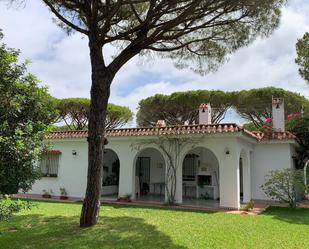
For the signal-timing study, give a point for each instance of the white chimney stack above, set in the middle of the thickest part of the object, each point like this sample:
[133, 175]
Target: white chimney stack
[278, 114]
[204, 116]
[161, 123]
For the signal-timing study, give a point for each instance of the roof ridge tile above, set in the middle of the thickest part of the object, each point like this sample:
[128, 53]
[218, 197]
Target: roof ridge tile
[176, 129]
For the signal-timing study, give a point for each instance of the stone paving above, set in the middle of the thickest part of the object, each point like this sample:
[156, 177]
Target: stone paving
[258, 207]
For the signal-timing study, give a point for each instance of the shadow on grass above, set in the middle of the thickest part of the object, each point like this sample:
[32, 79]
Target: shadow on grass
[140, 206]
[165, 207]
[37, 231]
[289, 215]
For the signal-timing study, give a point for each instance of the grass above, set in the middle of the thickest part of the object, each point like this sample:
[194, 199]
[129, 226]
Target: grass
[55, 225]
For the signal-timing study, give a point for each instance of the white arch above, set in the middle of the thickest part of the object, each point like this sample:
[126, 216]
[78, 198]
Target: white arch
[114, 149]
[110, 190]
[217, 165]
[190, 147]
[137, 154]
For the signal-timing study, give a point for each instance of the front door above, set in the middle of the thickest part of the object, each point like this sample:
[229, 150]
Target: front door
[143, 172]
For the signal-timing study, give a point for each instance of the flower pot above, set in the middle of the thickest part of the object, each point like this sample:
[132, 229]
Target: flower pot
[63, 197]
[46, 196]
[124, 199]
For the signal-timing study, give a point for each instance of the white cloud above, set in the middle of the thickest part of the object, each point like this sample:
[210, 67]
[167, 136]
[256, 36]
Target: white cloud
[28, 29]
[62, 62]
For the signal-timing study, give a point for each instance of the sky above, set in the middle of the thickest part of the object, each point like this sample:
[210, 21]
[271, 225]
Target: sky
[62, 62]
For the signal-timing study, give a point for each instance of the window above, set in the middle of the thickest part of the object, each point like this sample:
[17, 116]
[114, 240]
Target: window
[49, 164]
[189, 167]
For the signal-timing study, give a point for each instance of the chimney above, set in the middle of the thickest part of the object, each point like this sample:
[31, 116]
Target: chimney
[161, 123]
[278, 114]
[204, 116]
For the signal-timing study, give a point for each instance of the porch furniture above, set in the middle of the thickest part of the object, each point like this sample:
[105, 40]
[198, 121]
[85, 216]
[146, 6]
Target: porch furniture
[188, 187]
[161, 186]
[211, 190]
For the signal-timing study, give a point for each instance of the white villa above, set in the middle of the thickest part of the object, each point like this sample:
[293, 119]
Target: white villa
[223, 162]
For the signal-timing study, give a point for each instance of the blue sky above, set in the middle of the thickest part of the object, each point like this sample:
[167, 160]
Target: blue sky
[62, 62]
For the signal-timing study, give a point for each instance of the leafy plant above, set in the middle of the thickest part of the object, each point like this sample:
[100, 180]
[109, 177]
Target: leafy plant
[205, 196]
[63, 192]
[46, 192]
[300, 127]
[8, 207]
[26, 112]
[110, 180]
[285, 185]
[303, 56]
[248, 206]
[125, 197]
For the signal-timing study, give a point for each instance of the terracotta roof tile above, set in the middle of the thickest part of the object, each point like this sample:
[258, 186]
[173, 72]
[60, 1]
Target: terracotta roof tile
[51, 152]
[274, 135]
[186, 129]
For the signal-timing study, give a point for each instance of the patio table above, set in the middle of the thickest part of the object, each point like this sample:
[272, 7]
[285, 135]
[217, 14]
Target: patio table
[161, 186]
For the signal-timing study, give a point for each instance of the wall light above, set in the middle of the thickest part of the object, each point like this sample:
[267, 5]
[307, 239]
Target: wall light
[227, 151]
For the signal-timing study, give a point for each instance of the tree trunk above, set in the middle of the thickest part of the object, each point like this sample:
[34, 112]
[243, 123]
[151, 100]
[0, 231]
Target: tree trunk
[100, 91]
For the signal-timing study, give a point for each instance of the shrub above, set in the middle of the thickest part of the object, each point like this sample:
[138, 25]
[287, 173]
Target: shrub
[8, 207]
[285, 185]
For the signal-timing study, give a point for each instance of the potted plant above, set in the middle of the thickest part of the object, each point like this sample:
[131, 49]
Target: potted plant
[46, 194]
[307, 193]
[125, 198]
[63, 194]
[248, 206]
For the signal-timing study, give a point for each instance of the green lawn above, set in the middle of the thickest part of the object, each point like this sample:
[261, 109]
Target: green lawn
[55, 225]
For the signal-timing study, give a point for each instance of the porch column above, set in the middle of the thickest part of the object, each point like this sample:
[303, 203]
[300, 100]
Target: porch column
[126, 176]
[178, 193]
[229, 181]
[246, 180]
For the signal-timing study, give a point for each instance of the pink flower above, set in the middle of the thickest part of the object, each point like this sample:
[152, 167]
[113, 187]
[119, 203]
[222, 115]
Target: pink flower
[269, 120]
[293, 115]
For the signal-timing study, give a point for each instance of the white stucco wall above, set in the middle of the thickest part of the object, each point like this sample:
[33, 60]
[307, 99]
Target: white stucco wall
[126, 154]
[72, 171]
[263, 157]
[267, 157]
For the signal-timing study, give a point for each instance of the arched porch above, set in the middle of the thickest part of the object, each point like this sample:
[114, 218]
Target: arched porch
[111, 168]
[149, 176]
[200, 178]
